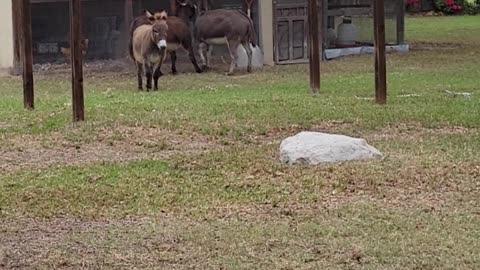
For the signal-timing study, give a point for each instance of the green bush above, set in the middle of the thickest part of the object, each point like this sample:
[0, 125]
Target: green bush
[472, 8]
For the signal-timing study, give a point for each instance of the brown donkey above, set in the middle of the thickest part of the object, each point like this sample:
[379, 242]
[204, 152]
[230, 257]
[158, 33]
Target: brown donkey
[220, 27]
[149, 49]
[179, 34]
[67, 52]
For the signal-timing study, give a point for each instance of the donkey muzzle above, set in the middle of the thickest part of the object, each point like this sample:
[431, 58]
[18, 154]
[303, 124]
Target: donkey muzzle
[162, 44]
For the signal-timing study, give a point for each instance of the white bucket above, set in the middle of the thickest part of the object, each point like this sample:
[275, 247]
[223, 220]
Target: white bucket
[257, 57]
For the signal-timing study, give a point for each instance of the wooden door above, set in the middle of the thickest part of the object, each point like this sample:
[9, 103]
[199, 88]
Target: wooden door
[291, 32]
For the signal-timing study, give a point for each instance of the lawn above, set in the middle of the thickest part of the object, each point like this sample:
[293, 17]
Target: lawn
[189, 177]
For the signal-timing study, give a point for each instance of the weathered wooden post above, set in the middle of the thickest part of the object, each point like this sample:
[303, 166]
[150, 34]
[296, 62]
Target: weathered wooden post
[128, 13]
[17, 37]
[314, 46]
[77, 60]
[380, 61]
[400, 21]
[26, 53]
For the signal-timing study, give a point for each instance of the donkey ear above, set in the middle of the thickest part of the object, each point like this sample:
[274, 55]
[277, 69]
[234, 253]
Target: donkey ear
[161, 15]
[164, 14]
[148, 14]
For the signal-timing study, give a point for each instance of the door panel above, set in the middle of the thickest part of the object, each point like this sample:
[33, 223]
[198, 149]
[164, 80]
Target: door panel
[291, 32]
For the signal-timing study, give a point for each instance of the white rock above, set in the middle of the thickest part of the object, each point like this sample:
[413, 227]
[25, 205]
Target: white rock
[312, 148]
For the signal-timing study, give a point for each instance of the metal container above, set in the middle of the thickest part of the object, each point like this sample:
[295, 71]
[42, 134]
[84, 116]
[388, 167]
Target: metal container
[347, 33]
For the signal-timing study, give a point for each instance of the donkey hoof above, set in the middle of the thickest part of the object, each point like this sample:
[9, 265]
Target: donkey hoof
[199, 70]
[229, 74]
[204, 68]
[249, 70]
[174, 72]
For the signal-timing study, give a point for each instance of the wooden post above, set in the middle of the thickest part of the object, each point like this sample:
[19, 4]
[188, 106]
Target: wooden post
[17, 37]
[314, 40]
[77, 60]
[26, 53]
[400, 22]
[324, 26]
[380, 61]
[128, 14]
[310, 47]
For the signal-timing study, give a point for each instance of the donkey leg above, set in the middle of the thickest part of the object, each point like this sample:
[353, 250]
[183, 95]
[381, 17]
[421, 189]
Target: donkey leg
[232, 48]
[201, 49]
[191, 55]
[249, 51]
[140, 75]
[148, 74]
[173, 58]
[157, 73]
[209, 54]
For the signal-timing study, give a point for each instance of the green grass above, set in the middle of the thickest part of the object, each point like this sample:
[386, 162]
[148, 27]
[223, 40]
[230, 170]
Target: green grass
[189, 177]
[455, 29]
[273, 105]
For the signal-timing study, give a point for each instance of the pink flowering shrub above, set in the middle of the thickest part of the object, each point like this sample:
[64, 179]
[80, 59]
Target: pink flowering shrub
[449, 6]
[412, 4]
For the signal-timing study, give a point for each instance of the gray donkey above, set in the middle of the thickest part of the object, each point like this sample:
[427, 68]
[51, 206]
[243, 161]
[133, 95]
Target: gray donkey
[220, 27]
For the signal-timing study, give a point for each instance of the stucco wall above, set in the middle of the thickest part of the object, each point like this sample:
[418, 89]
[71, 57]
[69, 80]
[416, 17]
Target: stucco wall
[6, 35]
[266, 31]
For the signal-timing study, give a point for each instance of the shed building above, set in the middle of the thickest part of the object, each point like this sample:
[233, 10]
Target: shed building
[346, 27]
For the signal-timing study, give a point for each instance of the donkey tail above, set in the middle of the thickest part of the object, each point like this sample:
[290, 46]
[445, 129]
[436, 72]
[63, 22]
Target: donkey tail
[130, 40]
[130, 49]
[252, 36]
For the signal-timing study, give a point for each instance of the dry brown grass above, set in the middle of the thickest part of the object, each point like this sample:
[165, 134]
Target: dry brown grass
[120, 144]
